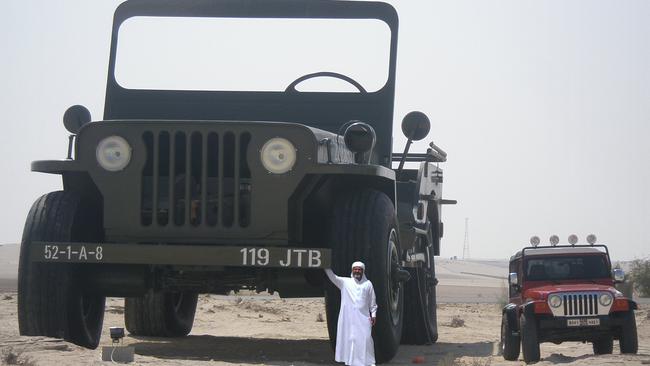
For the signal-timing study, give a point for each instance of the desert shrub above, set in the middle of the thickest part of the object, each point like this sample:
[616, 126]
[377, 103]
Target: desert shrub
[640, 274]
[504, 297]
[9, 357]
[457, 322]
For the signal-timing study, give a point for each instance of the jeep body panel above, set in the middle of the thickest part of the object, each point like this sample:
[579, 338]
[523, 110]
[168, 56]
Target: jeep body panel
[542, 292]
[420, 203]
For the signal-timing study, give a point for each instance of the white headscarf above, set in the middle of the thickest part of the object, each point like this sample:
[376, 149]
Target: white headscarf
[363, 266]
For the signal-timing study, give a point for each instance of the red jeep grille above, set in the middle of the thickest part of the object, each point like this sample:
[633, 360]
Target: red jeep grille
[196, 179]
[580, 304]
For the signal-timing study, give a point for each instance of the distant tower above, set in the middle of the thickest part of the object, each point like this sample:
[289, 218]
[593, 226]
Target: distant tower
[466, 243]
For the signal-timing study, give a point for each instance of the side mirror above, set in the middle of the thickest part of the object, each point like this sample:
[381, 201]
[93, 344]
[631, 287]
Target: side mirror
[75, 117]
[619, 275]
[416, 126]
[513, 279]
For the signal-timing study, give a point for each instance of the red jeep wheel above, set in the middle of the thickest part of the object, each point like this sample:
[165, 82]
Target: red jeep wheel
[603, 346]
[510, 346]
[628, 340]
[529, 341]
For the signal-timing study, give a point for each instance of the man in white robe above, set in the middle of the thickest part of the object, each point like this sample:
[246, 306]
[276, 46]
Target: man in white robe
[358, 313]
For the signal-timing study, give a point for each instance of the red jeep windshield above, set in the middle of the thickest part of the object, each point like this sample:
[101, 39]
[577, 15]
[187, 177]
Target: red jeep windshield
[582, 267]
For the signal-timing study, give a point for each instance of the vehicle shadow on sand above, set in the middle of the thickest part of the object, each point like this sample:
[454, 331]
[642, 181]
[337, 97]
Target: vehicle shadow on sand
[558, 358]
[284, 351]
[236, 349]
[442, 352]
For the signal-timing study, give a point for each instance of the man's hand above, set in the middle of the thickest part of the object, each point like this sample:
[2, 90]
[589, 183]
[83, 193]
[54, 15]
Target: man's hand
[373, 321]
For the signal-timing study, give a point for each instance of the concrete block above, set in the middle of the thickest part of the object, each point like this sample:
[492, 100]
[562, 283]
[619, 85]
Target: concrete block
[121, 354]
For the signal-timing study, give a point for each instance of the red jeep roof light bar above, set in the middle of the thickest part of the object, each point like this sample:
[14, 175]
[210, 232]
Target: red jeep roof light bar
[521, 254]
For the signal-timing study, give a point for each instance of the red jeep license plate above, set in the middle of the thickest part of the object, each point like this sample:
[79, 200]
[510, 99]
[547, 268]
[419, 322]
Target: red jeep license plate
[583, 322]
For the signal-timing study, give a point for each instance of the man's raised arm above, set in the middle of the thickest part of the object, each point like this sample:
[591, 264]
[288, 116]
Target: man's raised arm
[336, 280]
[373, 305]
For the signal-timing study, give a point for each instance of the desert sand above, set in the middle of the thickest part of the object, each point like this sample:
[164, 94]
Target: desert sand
[248, 329]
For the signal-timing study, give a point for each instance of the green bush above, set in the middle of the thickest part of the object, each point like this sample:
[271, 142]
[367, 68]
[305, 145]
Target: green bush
[640, 274]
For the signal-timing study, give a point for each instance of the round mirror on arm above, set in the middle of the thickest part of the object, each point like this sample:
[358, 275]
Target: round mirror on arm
[75, 117]
[416, 126]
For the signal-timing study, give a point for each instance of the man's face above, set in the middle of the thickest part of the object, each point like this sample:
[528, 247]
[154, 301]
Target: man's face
[357, 272]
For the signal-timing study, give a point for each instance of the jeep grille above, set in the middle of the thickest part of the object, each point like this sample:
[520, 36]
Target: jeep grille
[196, 179]
[580, 304]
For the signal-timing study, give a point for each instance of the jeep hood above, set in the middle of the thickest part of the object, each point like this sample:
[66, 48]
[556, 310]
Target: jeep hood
[542, 292]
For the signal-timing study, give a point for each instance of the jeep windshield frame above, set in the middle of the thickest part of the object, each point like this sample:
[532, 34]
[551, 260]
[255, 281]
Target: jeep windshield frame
[563, 267]
[562, 251]
[324, 110]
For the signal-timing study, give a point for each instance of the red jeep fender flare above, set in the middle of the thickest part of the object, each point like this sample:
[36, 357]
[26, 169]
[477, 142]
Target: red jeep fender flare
[512, 316]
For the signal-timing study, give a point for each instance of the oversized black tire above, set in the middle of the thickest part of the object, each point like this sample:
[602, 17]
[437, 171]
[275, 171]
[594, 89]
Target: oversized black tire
[529, 339]
[51, 297]
[510, 343]
[364, 228]
[420, 313]
[628, 340]
[603, 346]
[160, 314]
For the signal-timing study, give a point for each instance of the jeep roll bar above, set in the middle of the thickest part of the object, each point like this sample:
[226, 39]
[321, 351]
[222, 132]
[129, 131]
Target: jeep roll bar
[523, 251]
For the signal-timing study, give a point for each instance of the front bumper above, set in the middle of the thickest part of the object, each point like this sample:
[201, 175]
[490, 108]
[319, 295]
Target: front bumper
[556, 329]
[606, 322]
[180, 254]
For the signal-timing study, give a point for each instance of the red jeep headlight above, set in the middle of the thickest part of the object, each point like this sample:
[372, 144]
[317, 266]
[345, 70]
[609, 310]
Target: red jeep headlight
[605, 299]
[555, 301]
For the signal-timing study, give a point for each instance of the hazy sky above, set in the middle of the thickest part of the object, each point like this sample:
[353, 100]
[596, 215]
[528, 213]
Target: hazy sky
[542, 106]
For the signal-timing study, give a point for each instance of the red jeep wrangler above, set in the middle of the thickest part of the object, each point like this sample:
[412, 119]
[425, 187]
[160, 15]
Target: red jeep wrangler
[564, 293]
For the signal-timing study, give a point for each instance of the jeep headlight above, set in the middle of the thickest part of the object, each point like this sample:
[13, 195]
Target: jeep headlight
[278, 155]
[555, 301]
[605, 299]
[113, 153]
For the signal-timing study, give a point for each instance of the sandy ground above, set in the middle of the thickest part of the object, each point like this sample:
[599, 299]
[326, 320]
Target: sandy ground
[257, 330]
[8, 266]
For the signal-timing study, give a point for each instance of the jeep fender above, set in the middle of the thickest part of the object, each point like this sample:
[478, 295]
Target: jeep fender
[633, 305]
[510, 312]
[529, 309]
